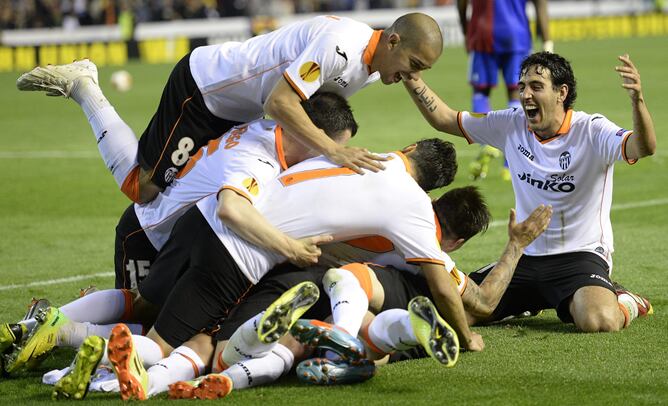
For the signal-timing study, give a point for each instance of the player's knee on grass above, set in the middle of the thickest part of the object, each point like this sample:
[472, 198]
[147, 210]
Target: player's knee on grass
[595, 309]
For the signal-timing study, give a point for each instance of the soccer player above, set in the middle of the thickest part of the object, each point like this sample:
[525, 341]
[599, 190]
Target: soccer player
[498, 38]
[219, 86]
[239, 164]
[565, 158]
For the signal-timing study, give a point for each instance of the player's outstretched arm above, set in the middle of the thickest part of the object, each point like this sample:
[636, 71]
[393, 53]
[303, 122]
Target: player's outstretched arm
[480, 301]
[449, 305]
[434, 110]
[243, 218]
[283, 104]
[643, 141]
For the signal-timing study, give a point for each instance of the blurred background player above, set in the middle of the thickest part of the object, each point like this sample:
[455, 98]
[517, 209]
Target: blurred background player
[498, 37]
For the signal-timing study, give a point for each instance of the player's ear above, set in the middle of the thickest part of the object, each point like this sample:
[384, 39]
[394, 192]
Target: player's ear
[394, 40]
[563, 93]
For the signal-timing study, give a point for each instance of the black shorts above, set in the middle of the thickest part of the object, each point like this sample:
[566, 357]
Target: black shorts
[206, 292]
[179, 128]
[549, 282]
[400, 286]
[270, 288]
[134, 253]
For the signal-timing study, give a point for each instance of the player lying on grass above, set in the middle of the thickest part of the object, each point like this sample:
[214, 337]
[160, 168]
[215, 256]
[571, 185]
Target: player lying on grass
[462, 210]
[565, 159]
[216, 87]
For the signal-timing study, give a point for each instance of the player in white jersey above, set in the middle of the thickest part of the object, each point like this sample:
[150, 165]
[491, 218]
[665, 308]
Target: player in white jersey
[218, 86]
[564, 158]
[243, 160]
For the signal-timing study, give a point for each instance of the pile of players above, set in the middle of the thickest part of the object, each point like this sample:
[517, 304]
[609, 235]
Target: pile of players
[239, 221]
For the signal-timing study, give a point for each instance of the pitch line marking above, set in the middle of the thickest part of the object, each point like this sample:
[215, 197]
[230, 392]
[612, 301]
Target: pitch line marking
[56, 281]
[497, 223]
[615, 207]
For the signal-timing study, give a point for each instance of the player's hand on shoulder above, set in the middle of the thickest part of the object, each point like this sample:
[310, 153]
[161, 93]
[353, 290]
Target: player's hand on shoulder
[630, 77]
[357, 159]
[475, 343]
[305, 252]
[525, 232]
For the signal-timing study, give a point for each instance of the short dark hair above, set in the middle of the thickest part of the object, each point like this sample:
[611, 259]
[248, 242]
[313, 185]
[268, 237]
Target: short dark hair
[435, 162]
[331, 113]
[560, 70]
[462, 212]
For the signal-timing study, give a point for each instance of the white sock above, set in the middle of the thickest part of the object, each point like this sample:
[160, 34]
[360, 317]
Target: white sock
[627, 302]
[348, 300]
[73, 333]
[116, 142]
[391, 331]
[245, 344]
[260, 371]
[182, 364]
[103, 307]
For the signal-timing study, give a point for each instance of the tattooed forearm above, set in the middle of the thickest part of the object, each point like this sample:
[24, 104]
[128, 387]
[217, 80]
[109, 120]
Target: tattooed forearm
[495, 284]
[427, 100]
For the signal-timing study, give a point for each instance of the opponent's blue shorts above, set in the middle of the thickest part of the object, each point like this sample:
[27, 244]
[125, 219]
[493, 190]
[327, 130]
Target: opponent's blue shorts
[483, 68]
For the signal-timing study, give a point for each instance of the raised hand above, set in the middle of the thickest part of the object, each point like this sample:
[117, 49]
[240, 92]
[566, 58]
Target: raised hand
[630, 77]
[525, 232]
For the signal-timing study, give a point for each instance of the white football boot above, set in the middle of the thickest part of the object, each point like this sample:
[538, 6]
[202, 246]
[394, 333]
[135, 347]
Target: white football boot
[57, 80]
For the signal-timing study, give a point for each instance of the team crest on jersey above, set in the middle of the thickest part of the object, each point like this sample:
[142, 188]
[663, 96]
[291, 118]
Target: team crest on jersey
[251, 185]
[565, 160]
[620, 132]
[309, 71]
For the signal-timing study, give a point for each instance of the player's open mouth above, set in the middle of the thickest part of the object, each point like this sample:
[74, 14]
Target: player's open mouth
[397, 77]
[531, 111]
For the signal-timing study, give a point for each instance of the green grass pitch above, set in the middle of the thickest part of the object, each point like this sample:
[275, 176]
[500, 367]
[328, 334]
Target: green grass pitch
[59, 207]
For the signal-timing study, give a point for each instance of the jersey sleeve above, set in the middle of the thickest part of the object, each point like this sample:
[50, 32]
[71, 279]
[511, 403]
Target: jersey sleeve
[319, 62]
[414, 235]
[609, 139]
[487, 129]
[247, 176]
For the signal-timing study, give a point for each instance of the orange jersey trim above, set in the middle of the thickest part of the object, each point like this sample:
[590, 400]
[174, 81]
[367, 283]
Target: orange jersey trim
[294, 87]
[130, 186]
[461, 128]
[425, 260]
[564, 129]
[439, 232]
[237, 191]
[298, 177]
[278, 133]
[374, 243]
[370, 50]
[361, 273]
[404, 158]
[626, 158]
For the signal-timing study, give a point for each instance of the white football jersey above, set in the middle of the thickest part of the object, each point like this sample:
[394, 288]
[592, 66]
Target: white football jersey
[380, 251]
[572, 171]
[317, 197]
[329, 53]
[245, 159]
